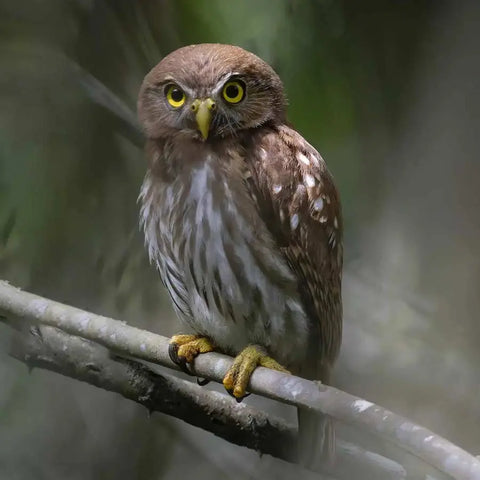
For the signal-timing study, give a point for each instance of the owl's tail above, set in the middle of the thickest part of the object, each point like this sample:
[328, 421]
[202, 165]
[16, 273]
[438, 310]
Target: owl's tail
[316, 434]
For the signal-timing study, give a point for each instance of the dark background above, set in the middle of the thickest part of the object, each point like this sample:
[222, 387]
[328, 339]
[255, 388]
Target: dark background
[388, 93]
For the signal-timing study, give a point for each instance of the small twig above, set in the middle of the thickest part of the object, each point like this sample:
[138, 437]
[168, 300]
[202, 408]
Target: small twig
[121, 113]
[432, 448]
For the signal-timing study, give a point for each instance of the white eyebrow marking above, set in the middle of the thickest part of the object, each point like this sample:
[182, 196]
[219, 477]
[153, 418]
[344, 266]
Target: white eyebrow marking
[302, 158]
[223, 80]
[188, 91]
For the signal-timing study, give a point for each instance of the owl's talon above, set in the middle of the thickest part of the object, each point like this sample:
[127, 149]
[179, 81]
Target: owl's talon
[237, 399]
[173, 353]
[240, 399]
[180, 361]
[183, 349]
[202, 381]
[186, 367]
[238, 375]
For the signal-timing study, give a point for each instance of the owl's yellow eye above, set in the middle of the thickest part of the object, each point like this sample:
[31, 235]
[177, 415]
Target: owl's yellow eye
[233, 92]
[175, 96]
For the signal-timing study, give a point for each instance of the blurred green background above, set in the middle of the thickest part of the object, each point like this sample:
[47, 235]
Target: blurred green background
[388, 93]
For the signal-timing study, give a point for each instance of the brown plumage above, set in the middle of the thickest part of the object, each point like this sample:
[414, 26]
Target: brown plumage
[241, 215]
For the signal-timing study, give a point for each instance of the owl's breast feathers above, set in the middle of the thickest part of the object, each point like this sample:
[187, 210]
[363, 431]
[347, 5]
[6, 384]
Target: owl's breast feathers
[225, 274]
[248, 240]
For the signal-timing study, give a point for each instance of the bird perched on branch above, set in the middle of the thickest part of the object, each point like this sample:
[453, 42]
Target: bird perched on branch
[241, 216]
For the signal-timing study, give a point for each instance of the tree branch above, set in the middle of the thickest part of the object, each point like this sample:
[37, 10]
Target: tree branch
[288, 389]
[52, 349]
[121, 113]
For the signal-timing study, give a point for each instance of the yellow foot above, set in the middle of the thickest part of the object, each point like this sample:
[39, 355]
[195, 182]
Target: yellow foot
[184, 348]
[237, 378]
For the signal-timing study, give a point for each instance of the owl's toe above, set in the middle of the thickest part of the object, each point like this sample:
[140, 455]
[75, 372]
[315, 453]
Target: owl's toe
[237, 378]
[184, 348]
[238, 399]
[180, 361]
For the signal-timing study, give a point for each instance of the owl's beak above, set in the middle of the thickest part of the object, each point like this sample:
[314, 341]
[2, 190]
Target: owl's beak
[203, 115]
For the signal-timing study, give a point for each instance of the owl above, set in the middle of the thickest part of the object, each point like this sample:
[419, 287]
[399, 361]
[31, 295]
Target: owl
[241, 217]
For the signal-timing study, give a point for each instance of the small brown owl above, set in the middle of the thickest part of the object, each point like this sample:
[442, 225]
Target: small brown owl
[241, 216]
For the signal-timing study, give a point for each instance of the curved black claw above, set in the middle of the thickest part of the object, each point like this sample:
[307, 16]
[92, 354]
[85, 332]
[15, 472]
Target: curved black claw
[180, 361]
[202, 381]
[238, 399]
[173, 352]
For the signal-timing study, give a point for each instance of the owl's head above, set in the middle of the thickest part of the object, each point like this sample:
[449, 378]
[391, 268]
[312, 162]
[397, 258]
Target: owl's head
[208, 91]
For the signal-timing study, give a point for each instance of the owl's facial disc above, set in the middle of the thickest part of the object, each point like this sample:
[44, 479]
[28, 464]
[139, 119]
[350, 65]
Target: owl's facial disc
[203, 115]
[177, 96]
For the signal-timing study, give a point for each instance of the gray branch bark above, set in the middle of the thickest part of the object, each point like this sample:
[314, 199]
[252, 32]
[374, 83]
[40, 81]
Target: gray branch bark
[126, 340]
[49, 348]
[52, 349]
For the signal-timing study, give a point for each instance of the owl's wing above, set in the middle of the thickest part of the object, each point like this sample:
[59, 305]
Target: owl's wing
[300, 205]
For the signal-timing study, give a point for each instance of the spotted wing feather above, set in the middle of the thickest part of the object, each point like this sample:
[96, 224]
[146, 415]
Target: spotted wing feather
[299, 203]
